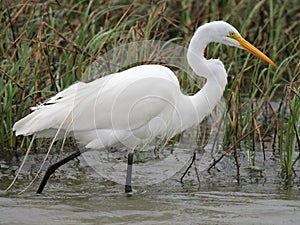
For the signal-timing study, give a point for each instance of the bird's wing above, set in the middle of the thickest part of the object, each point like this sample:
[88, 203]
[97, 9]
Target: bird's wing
[121, 101]
[127, 100]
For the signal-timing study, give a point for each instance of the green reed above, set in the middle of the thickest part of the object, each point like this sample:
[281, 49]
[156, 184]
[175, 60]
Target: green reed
[289, 140]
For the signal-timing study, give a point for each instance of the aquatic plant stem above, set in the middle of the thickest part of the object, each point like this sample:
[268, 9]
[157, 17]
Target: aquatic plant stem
[22, 164]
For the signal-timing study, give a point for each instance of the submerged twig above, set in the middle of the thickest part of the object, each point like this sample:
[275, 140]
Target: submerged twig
[22, 164]
[188, 168]
[230, 149]
[197, 173]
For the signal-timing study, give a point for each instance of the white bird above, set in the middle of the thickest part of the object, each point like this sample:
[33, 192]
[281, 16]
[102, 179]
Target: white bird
[133, 107]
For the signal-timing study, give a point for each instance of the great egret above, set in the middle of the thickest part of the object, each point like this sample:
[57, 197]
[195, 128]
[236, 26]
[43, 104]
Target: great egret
[135, 106]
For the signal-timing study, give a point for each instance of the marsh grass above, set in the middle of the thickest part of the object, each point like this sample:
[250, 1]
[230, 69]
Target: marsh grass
[46, 46]
[289, 128]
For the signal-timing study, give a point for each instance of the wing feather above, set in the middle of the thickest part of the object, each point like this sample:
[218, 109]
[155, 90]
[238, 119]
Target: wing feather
[123, 102]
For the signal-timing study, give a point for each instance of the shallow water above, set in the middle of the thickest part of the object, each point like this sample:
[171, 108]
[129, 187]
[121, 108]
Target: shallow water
[77, 195]
[205, 207]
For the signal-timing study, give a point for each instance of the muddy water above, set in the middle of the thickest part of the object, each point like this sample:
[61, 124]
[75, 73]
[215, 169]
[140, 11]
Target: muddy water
[76, 195]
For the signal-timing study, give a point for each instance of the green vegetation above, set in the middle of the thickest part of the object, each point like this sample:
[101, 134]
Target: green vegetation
[290, 130]
[46, 46]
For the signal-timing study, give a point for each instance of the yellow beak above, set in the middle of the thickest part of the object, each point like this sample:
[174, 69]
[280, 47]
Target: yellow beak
[249, 47]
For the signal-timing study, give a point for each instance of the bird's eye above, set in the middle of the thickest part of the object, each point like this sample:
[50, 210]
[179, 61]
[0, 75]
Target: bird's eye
[231, 34]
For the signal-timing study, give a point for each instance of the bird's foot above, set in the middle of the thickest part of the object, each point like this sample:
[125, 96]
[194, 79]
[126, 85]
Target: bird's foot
[128, 190]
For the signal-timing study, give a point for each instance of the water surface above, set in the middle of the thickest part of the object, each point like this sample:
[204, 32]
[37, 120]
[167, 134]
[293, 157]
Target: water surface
[77, 195]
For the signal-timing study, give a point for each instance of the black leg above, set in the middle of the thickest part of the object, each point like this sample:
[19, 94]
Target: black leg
[51, 169]
[128, 188]
[192, 161]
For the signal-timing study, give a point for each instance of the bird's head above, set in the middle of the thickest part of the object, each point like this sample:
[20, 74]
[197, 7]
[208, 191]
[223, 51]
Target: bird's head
[225, 33]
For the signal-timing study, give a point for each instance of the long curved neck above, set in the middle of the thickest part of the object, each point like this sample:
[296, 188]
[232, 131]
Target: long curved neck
[195, 53]
[213, 70]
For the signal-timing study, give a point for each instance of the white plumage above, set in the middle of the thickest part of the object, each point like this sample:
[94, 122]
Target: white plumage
[134, 106]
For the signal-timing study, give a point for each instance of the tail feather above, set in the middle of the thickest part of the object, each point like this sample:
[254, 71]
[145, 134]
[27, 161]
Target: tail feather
[47, 118]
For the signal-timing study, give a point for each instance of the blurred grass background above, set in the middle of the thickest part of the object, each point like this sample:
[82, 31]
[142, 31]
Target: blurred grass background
[46, 45]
